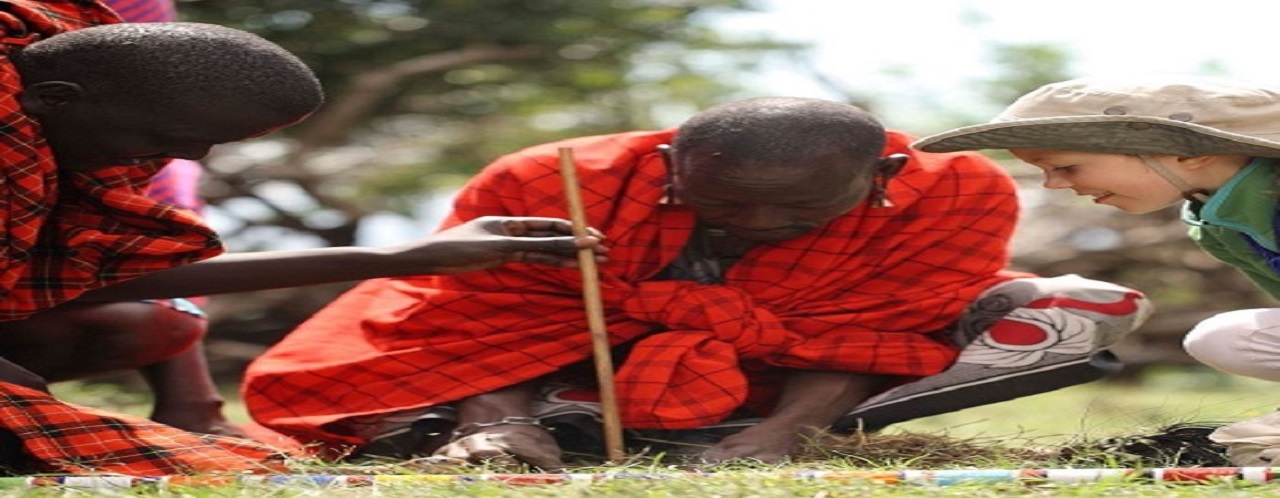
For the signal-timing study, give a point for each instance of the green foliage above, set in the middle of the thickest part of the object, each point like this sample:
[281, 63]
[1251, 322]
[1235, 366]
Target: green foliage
[558, 68]
[1021, 68]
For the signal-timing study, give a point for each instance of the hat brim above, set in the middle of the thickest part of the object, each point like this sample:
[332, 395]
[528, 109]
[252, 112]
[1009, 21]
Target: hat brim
[1107, 134]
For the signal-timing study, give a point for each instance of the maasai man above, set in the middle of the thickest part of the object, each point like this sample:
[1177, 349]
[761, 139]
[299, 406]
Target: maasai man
[166, 336]
[91, 110]
[786, 260]
[79, 149]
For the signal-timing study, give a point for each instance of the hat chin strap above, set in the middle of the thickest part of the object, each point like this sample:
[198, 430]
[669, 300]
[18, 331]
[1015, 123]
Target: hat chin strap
[1188, 193]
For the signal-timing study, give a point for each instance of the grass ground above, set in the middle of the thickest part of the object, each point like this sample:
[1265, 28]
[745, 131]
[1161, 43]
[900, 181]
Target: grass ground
[1100, 410]
[1051, 420]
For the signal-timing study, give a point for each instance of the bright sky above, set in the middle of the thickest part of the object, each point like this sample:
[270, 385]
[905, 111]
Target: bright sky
[917, 56]
[941, 44]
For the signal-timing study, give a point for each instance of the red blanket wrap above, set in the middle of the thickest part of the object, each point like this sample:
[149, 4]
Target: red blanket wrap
[65, 438]
[65, 233]
[865, 293]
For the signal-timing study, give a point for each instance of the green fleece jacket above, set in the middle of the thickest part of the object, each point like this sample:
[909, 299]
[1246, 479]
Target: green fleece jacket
[1246, 206]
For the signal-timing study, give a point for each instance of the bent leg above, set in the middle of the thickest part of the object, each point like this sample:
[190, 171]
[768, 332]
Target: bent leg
[1022, 337]
[1243, 342]
[80, 340]
[186, 396]
[161, 338]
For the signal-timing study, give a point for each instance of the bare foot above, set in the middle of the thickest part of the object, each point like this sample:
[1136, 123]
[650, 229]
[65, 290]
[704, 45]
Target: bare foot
[199, 420]
[506, 446]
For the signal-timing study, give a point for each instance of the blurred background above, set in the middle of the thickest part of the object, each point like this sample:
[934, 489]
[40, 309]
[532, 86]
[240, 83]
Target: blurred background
[424, 93]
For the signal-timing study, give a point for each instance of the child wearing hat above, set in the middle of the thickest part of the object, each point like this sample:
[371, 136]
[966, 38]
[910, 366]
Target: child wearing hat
[1143, 143]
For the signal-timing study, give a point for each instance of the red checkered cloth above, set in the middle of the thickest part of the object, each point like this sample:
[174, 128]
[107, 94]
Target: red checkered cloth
[66, 233]
[64, 438]
[70, 232]
[867, 292]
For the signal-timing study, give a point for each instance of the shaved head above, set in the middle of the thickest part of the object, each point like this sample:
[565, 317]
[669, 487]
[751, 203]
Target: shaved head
[771, 169]
[163, 65]
[120, 94]
[781, 132]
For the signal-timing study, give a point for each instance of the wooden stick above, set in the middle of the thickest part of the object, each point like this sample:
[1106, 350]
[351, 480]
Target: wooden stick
[595, 312]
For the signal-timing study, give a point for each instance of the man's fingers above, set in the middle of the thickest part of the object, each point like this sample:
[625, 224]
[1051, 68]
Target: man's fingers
[541, 227]
[593, 242]
[558, 245]
[562, 261]
[524, 226]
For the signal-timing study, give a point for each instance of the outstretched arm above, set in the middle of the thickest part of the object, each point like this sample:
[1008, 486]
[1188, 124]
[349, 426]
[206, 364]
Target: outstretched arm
[481, 243]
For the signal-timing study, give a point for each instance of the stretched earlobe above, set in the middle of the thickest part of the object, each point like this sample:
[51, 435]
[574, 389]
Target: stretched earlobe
[667, 152]
[891, 165]
[668, 159]
[887, 168]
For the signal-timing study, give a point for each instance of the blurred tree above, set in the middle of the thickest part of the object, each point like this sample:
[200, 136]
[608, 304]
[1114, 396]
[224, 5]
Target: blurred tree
[423, 93]
[1018, 68]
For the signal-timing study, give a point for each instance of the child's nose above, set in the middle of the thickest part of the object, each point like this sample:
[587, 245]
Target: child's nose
[1054, 181]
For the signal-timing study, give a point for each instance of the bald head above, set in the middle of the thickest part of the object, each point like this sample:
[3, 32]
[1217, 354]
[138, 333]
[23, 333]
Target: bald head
[772, 169]
[123, 94]
[781, 131]
[175, 64]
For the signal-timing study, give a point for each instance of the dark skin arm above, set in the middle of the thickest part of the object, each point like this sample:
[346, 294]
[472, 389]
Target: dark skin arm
[810, 402]
[481, 243]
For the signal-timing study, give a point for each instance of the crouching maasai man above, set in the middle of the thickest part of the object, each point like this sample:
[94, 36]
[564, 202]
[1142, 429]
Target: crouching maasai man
[781, 260]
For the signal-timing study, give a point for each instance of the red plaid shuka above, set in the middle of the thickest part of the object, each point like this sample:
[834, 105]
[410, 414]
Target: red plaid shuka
[864, 293]
[66, 233]
[64, 438]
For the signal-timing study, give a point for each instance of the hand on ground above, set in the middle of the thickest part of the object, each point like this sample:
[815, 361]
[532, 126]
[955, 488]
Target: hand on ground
[755, 444]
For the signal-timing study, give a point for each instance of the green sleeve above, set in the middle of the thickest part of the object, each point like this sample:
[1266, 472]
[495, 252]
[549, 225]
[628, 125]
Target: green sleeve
[1244, 259]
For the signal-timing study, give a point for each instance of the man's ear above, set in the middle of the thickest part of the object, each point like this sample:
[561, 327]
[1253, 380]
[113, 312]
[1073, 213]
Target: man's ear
[891, 165]
[49, 96]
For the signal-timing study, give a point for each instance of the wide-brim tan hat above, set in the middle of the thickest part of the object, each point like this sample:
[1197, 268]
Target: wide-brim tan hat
[1150, 114]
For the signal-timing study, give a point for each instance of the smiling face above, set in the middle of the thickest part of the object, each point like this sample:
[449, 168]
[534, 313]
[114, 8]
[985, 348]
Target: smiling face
[1121, 181]
[769, 202]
